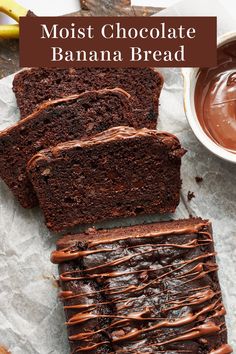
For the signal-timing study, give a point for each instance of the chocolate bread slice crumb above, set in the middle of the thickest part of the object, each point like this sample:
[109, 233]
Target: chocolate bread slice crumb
[143, 289]
[69, 118]
[118, 173]
[35, 86]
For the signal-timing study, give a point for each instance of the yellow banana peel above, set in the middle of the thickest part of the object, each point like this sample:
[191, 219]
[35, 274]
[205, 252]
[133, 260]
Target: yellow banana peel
[13, 9]
[9, 31]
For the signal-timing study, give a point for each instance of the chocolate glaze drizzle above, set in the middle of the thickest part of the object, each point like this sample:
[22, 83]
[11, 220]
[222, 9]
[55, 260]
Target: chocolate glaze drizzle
[107, 136]
[158, 292]
[224, 349]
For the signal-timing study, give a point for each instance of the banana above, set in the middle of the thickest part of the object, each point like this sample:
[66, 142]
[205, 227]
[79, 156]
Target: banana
[9, 31]
[13, 9]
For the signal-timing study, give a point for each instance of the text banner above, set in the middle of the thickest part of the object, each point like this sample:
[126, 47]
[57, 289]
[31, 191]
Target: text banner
[117, 41]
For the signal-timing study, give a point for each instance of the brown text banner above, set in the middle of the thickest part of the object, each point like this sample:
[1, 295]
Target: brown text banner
[117, 41]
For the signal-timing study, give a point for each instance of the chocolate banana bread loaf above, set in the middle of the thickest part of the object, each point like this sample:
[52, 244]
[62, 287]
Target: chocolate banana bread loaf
[34, 86]
[69, 118]
[118, 173]
[143, 289]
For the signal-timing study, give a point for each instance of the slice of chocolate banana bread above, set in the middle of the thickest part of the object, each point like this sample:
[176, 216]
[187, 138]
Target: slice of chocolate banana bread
[34, 86]
[57, 121]
[143, 289]
[118, 173]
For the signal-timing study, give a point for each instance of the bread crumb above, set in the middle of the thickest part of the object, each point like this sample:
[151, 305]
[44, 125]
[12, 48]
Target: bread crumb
[198, 179]
[190, 196]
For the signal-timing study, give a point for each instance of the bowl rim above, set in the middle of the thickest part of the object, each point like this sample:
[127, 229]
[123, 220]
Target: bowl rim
[191, 113]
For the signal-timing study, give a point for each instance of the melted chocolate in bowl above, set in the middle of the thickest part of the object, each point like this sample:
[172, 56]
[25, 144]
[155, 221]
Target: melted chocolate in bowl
[215, 98]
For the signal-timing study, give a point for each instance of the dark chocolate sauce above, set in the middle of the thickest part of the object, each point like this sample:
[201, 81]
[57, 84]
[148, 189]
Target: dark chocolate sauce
[215, 98]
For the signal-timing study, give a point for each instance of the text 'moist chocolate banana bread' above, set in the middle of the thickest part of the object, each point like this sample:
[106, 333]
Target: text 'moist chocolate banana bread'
[57, 121]
[34, 86]
[143, 289]
[118, 173]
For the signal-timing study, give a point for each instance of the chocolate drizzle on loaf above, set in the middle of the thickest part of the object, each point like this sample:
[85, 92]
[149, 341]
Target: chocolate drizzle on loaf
[108, 136]
[34, 86]
[57, 121]
[143, 289]
[118, 173]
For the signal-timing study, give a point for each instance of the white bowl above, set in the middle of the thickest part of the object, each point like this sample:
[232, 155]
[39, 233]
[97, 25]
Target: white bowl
[190, 79]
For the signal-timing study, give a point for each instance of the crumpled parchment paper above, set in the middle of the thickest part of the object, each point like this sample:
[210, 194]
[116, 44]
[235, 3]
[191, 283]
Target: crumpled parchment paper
[31, 316]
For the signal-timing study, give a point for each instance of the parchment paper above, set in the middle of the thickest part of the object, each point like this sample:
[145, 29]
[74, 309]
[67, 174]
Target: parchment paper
[31, 317]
